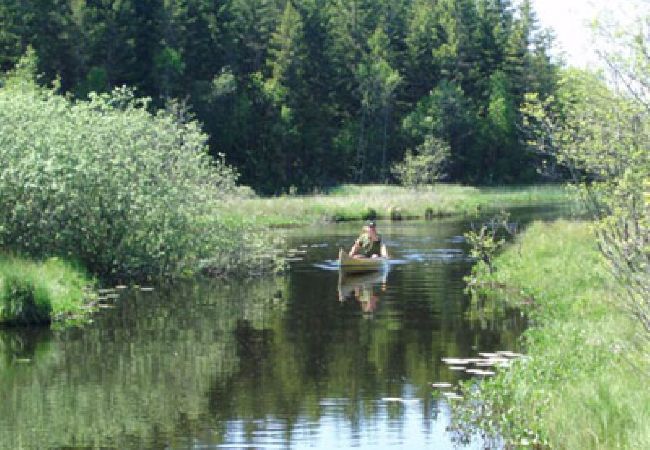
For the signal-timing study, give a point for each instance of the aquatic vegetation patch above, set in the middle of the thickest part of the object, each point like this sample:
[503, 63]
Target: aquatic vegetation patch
[38, 292]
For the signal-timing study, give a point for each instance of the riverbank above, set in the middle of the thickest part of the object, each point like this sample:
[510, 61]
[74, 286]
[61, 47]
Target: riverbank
[40, 292]
[584, 381]
[360, 202]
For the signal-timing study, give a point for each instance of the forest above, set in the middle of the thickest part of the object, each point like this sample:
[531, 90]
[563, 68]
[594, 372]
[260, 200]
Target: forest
[158, 155]
[303, 95]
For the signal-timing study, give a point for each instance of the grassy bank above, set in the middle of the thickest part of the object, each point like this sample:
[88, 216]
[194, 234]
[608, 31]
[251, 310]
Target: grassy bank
[584, 383]
[34, 292]
[354, 202]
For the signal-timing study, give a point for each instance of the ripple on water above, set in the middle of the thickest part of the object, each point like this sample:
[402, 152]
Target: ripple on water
[283, 361]
[435, 255]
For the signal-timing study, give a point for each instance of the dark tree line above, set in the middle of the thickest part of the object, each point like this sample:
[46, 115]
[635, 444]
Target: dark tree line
[309, 93]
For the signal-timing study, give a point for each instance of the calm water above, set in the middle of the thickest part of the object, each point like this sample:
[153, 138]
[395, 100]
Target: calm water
[305, 360]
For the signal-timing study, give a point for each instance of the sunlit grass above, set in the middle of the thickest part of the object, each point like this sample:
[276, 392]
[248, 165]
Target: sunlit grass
[585, 383]
[358, 202]
[55, 287]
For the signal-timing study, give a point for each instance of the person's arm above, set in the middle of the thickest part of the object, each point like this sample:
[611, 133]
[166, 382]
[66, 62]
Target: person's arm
[355, 248]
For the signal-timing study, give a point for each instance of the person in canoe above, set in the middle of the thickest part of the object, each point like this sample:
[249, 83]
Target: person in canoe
[368, 244]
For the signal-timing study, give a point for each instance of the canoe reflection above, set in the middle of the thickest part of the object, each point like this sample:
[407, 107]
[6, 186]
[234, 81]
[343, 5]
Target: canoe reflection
[364, 288]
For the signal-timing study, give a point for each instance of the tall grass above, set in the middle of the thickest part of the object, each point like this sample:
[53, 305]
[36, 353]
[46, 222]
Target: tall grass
[33, 292]
[584, 383]
[357, 202]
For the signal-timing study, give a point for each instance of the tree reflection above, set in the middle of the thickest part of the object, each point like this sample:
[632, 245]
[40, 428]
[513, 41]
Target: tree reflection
[235, 362]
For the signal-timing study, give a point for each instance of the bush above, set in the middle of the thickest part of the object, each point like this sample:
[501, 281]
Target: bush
[424, 166]
[108, 183]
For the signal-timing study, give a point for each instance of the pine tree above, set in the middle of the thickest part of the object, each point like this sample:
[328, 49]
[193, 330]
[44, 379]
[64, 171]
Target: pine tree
[12, 33]
[378, 82]
[109, 28]
[286, 56]
[286, 52]
[250, 25]
[423, 36]
[309, 91]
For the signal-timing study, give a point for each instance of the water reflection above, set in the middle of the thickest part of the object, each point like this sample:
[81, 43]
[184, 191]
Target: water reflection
[279, 362]
[365, 289]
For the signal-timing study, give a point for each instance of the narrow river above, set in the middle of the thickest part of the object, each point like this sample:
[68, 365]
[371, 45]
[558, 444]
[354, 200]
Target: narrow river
[303, 360]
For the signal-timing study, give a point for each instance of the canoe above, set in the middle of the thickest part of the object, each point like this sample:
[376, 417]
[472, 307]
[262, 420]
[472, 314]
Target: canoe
[348, 264]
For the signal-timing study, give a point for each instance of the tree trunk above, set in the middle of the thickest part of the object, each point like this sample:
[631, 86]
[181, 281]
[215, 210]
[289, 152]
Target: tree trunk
[361, 152]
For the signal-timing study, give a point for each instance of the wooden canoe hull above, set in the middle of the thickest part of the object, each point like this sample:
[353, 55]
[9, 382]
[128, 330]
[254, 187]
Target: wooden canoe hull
[348, 264]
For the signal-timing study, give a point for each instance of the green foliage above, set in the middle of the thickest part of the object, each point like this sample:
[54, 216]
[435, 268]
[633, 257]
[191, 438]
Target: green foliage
[602, 137]
[96, 81]
[224, 83]
[309, 93]
[21, 303]
[581, 384]
[377, 79]
[424, 36]
[499, 130]
[425, 166]
[352, 202]
[486, 242]
[24, 74]
[444, 114]
[36, 292]
[286, 49]
[123, 190]
[169, 65]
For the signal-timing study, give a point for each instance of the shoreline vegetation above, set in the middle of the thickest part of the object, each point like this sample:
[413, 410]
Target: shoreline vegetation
[583, 383]
[361, 202]
[60, 289]
[127, 193]
[130, 192]
[93, 181]
[41, 292]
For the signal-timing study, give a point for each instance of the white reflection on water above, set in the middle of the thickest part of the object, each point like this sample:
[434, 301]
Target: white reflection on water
[396, 425]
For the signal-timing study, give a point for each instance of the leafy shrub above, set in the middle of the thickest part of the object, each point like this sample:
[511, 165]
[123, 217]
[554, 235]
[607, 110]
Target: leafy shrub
[602, 137]
[486, 241]
[121, 189]
[424, 166]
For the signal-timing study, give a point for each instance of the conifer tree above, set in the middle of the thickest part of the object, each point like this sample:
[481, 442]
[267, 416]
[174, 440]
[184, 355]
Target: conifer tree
[378, 82]
[306, 93]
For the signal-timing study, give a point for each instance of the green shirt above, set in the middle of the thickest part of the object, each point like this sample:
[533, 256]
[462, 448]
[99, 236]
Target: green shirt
[368, 247]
